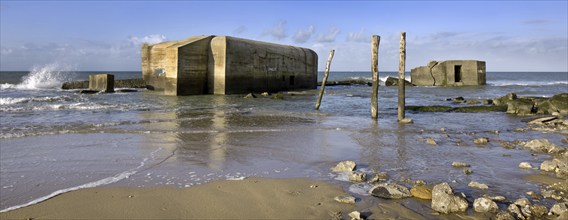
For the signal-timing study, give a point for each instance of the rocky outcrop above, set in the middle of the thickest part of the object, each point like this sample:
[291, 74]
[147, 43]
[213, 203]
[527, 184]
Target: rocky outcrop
[444, 200]
[391, 81]
[534, 105]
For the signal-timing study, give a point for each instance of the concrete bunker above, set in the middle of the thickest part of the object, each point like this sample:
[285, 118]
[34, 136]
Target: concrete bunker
[450, 73]
[227, 65]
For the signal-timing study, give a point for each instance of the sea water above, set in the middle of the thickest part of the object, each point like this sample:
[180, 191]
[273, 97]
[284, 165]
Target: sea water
[54, 141]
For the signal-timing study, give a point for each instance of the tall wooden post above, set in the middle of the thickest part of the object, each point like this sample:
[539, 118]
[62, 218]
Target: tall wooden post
[375, 72]
[322, 87]
[401, 82]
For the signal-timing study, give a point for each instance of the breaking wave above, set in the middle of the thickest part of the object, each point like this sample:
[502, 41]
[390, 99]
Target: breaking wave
[49, 76]
[526, 83]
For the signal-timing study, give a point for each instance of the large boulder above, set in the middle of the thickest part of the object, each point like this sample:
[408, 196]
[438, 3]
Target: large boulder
[559, 103]
[344, 166]
[390, 191]
[542, 146]
[521, 107]
[502, 101]
[444, 200]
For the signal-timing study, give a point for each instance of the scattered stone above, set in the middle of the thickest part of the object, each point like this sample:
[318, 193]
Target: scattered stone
[444, 200]
[485, 205]
[250, 96]
[390, 191]
[538, 211]
[533, 195]
[548, 165]
[525, 165]
[467, 171]
[355, 215]
[542, 146]
[265, 94]
[472, 102]
[460, 164]
[381, 176]
[357, 177]
[344, 166]
[514, 209]
[431, 141]
[458, 99]
[277, 96]
[559, 208]
[504, 215]
[540, 121]
[419, 182]
[477, 185]
[497, 198]
[421, 191]
[503, 100]
[345, 199]
[481, 141]
[522, 202]
[488, 101]
[406, 121]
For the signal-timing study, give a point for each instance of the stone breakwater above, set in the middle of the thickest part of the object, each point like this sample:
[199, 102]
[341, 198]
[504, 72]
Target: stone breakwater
[121, 83]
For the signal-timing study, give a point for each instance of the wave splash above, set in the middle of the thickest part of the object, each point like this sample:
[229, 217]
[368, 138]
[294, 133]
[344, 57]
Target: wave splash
[49, 76]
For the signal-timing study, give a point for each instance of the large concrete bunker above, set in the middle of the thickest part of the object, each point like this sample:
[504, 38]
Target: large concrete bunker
[450, 73]
[227, 65]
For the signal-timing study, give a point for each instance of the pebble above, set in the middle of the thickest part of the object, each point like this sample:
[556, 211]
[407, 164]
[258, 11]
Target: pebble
[525, 165]
[431, 141]
[477, 185]
[345, 199]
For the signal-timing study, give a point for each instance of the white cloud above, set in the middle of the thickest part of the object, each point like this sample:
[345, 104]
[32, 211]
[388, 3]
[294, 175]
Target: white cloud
[360, 36]
[304, 35]
[278, 31]
[150, 39]
[329, 36]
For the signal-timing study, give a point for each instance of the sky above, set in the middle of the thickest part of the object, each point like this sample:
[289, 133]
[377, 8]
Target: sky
[107, 35]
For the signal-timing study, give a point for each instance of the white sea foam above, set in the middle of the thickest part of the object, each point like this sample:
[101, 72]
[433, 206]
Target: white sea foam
[50, 76]
[11, 101]
[105, 181]
[526, 83]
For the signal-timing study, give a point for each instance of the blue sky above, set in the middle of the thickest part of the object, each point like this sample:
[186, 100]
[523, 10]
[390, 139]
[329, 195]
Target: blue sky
[107, 35]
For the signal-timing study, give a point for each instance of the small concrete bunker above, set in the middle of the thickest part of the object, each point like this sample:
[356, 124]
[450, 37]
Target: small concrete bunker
[450, 73]
[227, 65]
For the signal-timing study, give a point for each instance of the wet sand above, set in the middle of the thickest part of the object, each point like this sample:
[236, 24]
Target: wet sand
[253, 198]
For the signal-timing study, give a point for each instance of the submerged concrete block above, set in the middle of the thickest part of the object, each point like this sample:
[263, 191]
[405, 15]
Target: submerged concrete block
[450, 73]
[101, 82]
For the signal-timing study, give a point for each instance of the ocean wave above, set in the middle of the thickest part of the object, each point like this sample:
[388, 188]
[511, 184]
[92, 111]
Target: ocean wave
[50, 76]
[12, 101]
[525, 83]
[105, 181]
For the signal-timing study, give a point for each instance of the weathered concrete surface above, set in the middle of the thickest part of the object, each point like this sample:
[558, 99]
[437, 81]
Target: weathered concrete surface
[101, 82]
[227, 65]
[450, 73]
[120, 83]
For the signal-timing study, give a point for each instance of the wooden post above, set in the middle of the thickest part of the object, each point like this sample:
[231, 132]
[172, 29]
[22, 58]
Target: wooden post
[375, 72]
[401, 81]
[322, 87]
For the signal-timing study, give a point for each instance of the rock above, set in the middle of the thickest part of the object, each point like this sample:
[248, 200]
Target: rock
[379, 177]
[485, 205]
[559, 208]
[390, 191]
[460, 164]
[472, 102]
[458, 99]
[497, 198]
[538, 211]
[422, 192]
[392, 81]
[357, 177]
[355, 215]
[431, 141]
[75, 85]
[504, 215]
[534, 195]
[406, 121]
[265, 94]
[345, 199]
[525, 165]
[540, 121]
[250, 96]
[522, 202]
[514, 209]
[503, 100]
[277, 96]
[481, 141]
[444, 200]
[344, 166]
[467, 171]
[548, 165]
[560, 103]
[561, 167]
[542, 146]
[521, 107]
[477, 185]
[488, 101]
